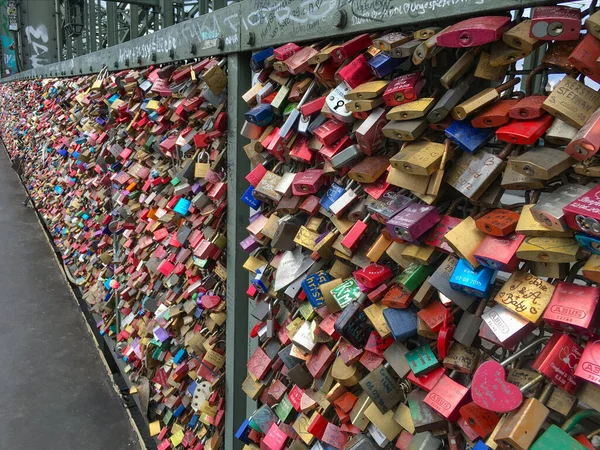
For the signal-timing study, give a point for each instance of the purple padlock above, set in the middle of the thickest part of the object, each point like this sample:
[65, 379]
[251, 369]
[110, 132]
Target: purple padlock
[250, 244]
[413, 222]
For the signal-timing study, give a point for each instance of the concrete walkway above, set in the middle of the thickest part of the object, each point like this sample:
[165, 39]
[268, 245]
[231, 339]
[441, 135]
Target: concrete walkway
[55, 392]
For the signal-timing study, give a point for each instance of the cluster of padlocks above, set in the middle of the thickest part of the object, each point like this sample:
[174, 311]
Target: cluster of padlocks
[424, 243]
[128, 173]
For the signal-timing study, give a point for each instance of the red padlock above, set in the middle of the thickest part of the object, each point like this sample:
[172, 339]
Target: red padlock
[352, 47]
[524, 132]
[403, 89]
[586, 142]
[473, 32]
[573, 308]
[373, 275]
[356, 72]
[557, 361]
[555, 23]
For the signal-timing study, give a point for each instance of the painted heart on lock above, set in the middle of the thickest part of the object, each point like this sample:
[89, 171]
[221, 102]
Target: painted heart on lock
[491, 391]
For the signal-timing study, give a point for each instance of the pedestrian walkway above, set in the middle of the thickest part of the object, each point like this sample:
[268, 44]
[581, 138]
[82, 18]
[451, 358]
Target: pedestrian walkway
[55, 392]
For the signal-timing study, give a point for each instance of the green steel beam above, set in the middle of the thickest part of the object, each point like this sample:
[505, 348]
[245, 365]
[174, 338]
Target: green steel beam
[236, 333]
[137, 2]
[167, 13]
[134, 24]
[269, 23]
[112, 24]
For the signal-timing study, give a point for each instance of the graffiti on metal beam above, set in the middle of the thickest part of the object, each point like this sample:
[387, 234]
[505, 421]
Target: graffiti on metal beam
[268, 18]
[37, 38]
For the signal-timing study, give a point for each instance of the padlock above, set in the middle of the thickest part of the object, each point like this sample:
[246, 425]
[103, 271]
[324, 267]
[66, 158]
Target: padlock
[477, 282]
[526, 295]
[464, 239]
[467, 137]
[555, 23]
[519, 37]
[352, 324]
[471, 174]
[499, 222]
[573, 308]
[336, 103]
[499, 253]
[524, 132]
[473, 32]
[585, 143]
[419, 158]
[541, 163]
[560, 133]
[468, 326]
[449, 100]
[549, 209]
[382, 389]
[485, 97]
[459, 68]
[581, 214]
[572, 102]
[496, 114]
[557, 361]
[413, 222]
[405, 88]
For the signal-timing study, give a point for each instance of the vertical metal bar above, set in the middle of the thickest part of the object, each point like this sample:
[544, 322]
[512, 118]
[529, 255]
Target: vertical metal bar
[69, 44]
[168, 18]
[156, 18]
[203, 5]
[112, 25]
[59, 30]
[93, 45]
[134, 25]
[79, 46]
[218, 4]
[237, 217]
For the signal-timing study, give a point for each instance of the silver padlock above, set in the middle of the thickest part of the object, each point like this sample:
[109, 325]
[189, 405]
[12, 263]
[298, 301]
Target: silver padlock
[336, 101]
[549, 209]
[346, 157]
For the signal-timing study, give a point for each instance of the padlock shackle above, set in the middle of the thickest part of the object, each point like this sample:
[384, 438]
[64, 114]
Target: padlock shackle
[505, 86]
[521, 352]
[531, 77]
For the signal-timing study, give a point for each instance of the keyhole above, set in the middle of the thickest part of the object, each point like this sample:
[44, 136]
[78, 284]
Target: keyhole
[340, 103]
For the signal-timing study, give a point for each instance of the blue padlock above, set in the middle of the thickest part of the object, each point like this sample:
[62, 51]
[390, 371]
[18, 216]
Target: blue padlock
[311, 288]
[179, 356]
[62, 152]
[257, 61]
[480, 445]
[249, 199]
[243, 432]
[261, 115]
[467, 137]
[179, 411]
[112, 98]
[477, 282]
[401, 322]
[591, 243]
[193, 421]
[261, 280]
[183, 206]
[334, 192]
[382, 64]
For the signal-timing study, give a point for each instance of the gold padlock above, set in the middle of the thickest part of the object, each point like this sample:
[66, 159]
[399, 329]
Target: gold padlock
[416, 183]
[549, 249]
[464, 240]
[418, 158]
[572, 101]
[528, 226]
[412, 110]
[519, 37]
[486, 71]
